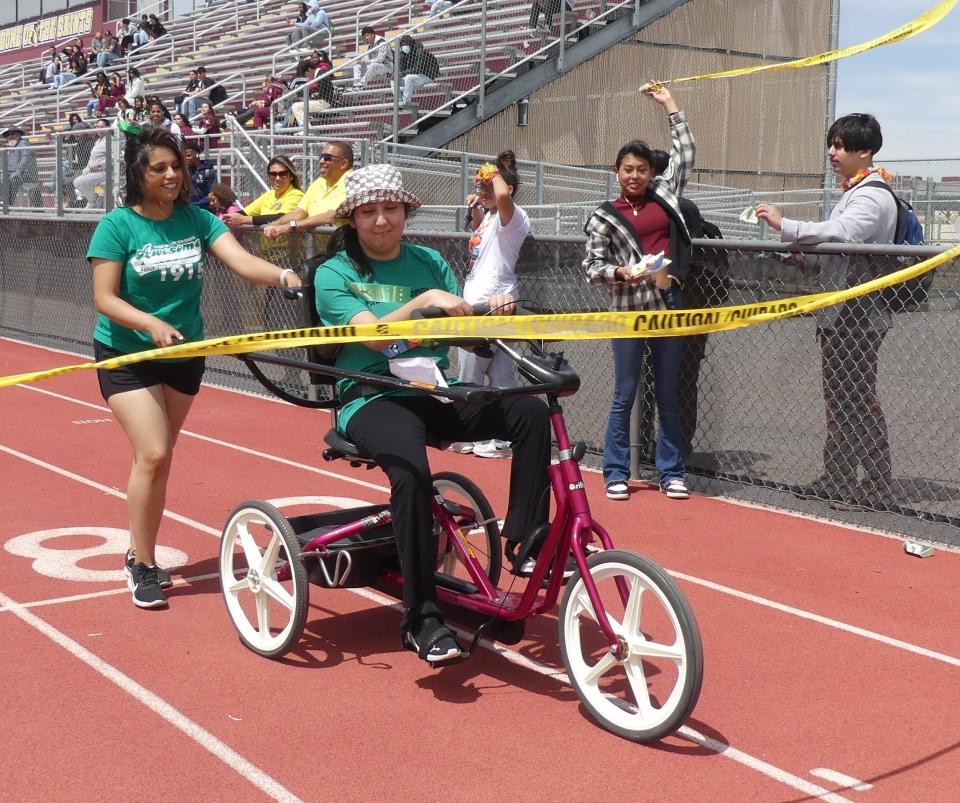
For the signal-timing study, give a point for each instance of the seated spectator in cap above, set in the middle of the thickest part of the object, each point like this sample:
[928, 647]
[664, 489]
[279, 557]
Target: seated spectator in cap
[21, 163]
[378, 59]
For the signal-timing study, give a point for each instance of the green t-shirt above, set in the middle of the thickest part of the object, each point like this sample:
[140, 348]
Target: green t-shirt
[162, 269]
[342, 294]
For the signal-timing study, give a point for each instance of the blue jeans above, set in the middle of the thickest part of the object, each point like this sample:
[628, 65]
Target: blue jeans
[628, 355]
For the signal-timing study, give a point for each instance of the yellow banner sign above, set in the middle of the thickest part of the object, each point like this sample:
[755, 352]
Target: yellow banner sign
[48, 29]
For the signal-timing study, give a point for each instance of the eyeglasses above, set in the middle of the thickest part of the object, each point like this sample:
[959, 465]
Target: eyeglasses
[328, 157]
[278, 173]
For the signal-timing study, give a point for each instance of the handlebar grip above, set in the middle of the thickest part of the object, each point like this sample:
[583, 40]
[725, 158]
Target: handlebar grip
[436, 312]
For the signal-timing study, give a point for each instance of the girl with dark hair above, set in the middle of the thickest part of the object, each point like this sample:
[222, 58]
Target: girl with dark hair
[223, 201]
[380, 278]
[283, 196]
[148, 263]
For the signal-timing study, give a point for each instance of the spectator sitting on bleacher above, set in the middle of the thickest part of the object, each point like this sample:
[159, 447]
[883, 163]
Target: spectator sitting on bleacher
[142, 36]
[65, 73]
[80, 63]
[192, 100]
[126, 30]
[51, 70]
[548, 8]
[314, 21]
[139, 109]
[378, 59]
[158, 114]
[203, 175]
[110, 52]
[136, 87]
[49, 55]
[207, 124]
[323, 94]
[282, 197]
[124, 112]
[100, 87]
[418, 67]
[181, 127]
[76, 149]
[95, 172]
[96, 47]
[322, 198]
[188, 90]
[439, 6]
[156, 28]
[259, 109]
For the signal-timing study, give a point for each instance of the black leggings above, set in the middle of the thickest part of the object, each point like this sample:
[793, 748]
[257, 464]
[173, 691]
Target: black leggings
[395, 432]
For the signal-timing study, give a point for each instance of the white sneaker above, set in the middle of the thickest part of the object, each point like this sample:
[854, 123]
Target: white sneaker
[461, 447]
[675, 489]
[618, 490]
[492, 448]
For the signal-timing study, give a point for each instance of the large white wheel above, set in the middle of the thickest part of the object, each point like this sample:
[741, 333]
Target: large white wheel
[263, 578]
[480, 531]
[650, 690]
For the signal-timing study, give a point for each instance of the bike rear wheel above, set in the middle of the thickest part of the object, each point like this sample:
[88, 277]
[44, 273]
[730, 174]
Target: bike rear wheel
[647, 692]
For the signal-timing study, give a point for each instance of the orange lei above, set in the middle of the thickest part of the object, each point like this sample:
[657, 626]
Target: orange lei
[886, 175]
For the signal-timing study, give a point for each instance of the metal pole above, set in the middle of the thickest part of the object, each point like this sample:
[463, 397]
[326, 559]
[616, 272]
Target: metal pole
[58, 173]
[483, 59]
[538, 186]
[396, 97]
[464, 176]
[108, 179]
[563, 34]
[5, 181]
[829, 179]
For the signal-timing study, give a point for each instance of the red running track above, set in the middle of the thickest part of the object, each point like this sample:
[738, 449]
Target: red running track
[832, 658]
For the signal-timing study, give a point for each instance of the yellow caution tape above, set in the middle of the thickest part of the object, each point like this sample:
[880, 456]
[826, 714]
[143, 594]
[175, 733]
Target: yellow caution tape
[918, 25]
[569, 326]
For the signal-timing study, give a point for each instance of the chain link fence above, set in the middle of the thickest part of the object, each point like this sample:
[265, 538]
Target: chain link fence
[752, 399]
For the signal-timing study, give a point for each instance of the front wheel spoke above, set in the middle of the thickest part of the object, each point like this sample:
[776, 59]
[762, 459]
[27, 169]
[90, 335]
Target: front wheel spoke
[240, 585]
[631, 616]
[277, 592]
[268, 563]
[263, 615]
[599, 669]
[638, 683]
[250, 549]
[642, 648]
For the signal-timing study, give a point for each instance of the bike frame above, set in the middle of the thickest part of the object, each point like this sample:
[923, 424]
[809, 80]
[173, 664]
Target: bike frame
[571, 531]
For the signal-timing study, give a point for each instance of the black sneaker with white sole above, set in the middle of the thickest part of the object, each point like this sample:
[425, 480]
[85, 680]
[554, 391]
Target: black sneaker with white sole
[163, 576]
[523, 556]
[432, 640]
[145, 586]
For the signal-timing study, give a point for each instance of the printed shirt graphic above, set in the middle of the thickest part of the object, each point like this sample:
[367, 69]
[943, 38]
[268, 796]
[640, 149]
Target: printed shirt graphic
[341, 294]
[163, 262]
[494, 249]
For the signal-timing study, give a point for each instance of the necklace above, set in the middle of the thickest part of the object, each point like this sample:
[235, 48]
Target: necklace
[636, 208]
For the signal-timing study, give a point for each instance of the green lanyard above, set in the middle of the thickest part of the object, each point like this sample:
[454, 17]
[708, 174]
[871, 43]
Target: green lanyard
[370, 291]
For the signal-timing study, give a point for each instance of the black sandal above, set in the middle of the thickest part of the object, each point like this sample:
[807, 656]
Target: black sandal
[439, 646]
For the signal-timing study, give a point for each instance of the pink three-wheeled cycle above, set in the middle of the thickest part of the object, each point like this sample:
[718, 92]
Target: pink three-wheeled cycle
[628, 637]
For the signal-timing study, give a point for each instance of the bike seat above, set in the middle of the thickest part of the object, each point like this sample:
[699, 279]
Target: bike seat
[341, 446]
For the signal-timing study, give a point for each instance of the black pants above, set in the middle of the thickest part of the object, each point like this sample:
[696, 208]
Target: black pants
[856, 427]
[395, 432]
[546, 7]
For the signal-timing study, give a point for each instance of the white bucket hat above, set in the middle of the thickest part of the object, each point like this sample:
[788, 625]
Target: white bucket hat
[375, 184]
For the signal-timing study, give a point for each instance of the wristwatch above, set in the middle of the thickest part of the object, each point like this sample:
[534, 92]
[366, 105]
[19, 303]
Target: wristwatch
[293, 224]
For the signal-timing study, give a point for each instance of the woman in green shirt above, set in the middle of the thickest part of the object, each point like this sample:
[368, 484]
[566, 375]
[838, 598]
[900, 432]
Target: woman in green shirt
[148, 263]
[377, 277]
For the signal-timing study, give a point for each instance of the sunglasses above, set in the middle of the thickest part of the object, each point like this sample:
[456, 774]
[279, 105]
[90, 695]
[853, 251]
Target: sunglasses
[328, 157]
[278, 173]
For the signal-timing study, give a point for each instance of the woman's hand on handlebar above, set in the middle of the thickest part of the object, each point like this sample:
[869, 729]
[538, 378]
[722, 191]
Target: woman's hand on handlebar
[452, 305]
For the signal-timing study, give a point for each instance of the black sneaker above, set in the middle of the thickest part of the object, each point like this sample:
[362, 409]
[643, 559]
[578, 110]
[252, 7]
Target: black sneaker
[162, 574]
[146, 587]
[523, 556]
[433, 641]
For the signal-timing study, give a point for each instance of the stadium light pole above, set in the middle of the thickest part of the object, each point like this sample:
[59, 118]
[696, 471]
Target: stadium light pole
[828, 176]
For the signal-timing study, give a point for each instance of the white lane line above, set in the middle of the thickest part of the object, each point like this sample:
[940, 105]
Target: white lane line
[733, 592]
[41, 603]
[103, 488]
[244, 768]
[227, 445]
[840, 779]
[823, 620]
[727, 751]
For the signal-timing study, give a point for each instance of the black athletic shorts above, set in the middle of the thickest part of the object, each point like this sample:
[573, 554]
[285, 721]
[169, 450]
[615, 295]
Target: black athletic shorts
[184, 376]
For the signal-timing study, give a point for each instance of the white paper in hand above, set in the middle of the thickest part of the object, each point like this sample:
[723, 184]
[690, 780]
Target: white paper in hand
[749, 215]
[649, 264]
[419, 369]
